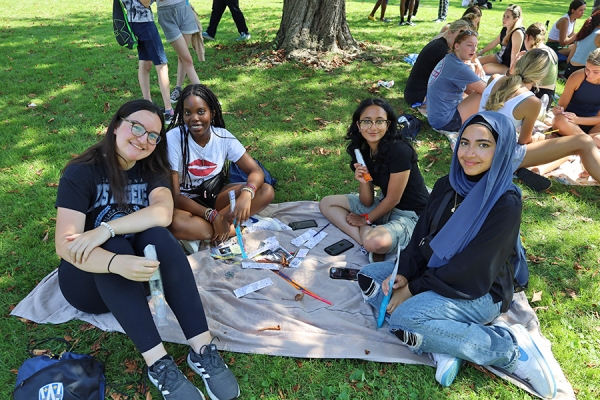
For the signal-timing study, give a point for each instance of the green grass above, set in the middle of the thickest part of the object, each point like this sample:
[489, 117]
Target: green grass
[61, 55]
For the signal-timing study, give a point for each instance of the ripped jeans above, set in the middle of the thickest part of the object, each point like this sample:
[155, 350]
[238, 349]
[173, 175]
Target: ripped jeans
[429, 322]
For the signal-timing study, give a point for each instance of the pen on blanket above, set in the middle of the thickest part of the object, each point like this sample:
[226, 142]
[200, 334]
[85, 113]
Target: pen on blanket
[549, 132]
[321, 230]
[297, 286]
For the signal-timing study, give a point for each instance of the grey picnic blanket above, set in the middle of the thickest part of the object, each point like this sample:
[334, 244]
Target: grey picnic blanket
[271, 321]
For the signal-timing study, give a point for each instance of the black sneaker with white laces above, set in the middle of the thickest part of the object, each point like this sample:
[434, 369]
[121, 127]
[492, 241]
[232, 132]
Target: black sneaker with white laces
[171, 382]
[218, 378]
[175, 95]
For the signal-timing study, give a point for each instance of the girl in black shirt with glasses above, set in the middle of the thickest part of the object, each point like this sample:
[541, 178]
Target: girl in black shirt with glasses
[379, 223]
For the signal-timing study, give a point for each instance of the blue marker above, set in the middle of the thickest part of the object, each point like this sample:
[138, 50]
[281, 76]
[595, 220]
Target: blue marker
[386, 299]
[238, 232]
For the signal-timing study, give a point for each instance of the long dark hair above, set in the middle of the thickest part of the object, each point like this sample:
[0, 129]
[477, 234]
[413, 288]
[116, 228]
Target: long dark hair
[575, 4]
[357, 141]
[588, 26]
[211, 100]
[105, 151]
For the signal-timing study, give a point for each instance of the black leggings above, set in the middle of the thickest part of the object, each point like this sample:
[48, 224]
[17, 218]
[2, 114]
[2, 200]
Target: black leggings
[126, 299]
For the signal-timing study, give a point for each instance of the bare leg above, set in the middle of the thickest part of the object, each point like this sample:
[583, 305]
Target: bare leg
[379, 3]
[377, 240]
[546, 151]
[163, 83]
[336, 208]
[144, 67]
[383, 7]
[185, 59]
[490, 58]
[551, 166]
[187, 226]
[495, 68]
[469, 106]
[565, 127]
[154, 354]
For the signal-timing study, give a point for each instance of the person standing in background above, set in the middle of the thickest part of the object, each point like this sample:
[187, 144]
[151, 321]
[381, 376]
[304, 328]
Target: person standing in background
[218, 8]
[150, 51]
[383, 4]
[442, 11]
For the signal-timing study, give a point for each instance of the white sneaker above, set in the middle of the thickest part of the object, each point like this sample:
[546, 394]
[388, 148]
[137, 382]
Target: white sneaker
[531, 366]
[447, 368]
[190, 246]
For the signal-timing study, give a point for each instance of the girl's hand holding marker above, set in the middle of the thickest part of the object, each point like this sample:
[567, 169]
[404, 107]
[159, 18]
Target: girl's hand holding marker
[361, 170]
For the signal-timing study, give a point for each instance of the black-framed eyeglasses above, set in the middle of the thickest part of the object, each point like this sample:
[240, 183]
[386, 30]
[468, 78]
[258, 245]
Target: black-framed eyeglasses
[367, 123]
[138, 130]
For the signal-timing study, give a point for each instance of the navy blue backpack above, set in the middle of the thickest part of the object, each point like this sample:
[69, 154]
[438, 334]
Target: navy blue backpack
[236, 175]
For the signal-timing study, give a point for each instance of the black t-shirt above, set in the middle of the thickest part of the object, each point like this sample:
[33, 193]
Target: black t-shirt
[401, 157]
[85, 188]
[508, 49]
[429, 57]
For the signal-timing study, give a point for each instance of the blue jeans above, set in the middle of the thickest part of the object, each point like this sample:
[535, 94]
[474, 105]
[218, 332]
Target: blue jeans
[429, 322]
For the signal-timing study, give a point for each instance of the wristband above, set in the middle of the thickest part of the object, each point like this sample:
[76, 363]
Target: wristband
[110, 229]
[249, 190]
[366, 216]
[251, 186]
[111, 260]
[207, 213]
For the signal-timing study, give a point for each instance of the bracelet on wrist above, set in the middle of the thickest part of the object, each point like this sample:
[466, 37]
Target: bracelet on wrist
[110, 229]
[213, 215]
[249, 190]
[366, 217]
[207, 213]
[110, 262]
[251, 186]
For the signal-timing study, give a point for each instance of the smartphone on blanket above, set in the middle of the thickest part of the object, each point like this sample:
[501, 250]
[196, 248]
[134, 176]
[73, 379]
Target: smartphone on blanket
[349, 274]
[311, 223]
[338, 247]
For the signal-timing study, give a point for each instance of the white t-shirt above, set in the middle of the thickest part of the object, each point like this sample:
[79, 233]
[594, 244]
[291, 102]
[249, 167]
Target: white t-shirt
[204, 162]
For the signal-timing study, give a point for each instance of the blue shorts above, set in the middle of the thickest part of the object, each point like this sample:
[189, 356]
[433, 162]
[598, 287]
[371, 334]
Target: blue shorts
[150, 47]
[454, 124]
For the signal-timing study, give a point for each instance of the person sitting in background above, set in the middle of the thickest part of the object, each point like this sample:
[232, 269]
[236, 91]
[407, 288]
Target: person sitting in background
[392, 164]
[512, 96]
[511, 39]
[451, 79]
[535, 36]
[454, 281]
[587, 40]
[429, 57]
[578, 109]
[562, 34]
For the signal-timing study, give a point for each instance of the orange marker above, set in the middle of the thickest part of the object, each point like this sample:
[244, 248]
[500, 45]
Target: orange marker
[361, 161]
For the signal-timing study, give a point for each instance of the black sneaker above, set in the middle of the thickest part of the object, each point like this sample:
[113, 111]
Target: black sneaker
[218, 378]
[171, 383]
[535, 181]
[175, 95]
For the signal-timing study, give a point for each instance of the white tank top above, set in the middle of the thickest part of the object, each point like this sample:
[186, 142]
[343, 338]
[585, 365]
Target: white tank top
[509, 105]
[555, 33]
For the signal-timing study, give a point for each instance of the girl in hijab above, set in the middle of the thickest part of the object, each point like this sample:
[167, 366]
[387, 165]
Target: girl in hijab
[434, 307]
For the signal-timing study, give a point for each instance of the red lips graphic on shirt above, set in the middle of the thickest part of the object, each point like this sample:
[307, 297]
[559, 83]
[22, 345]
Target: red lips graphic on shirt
[201, 167]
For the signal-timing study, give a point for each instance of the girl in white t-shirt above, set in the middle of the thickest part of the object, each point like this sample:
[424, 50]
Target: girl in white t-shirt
[199, 147]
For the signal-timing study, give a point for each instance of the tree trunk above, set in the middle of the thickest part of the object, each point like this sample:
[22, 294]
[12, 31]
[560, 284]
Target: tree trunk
[314, 25]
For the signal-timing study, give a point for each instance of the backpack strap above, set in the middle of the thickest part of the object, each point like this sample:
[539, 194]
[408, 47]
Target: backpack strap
[433, 225]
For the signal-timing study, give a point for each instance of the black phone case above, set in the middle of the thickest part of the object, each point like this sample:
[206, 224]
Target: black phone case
[310, 223]
[349, 274]
[338, 247]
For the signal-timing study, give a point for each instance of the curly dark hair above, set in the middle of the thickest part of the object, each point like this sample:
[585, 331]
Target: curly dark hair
[392, 135]
[105, 151]
[214, 106]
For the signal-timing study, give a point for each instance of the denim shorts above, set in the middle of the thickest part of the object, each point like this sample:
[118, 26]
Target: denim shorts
[399, 223]
[150, 47]
[177, 20]
[455, 123]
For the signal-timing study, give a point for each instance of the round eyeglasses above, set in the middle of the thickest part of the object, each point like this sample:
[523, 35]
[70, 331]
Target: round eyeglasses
[138, 130]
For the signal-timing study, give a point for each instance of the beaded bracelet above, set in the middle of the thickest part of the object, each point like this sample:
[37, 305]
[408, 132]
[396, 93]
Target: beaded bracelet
[207, 213]
[110, 229]
[111, 260]
[249, 190]
[213, 216]
[251, 186]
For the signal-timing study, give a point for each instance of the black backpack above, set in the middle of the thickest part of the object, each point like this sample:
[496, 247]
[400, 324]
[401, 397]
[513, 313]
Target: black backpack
[409, 126]
[123, 32]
